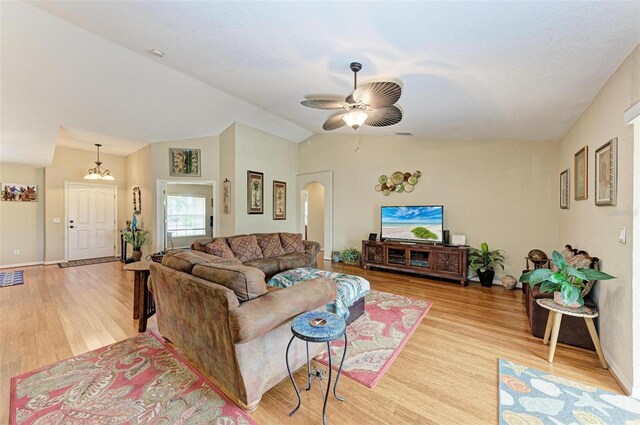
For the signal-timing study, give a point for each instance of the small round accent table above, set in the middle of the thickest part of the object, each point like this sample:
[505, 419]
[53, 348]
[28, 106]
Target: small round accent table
[553, 325]
[318, 326]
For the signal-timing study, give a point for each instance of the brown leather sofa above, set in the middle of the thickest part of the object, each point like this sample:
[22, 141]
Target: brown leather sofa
[270, 252]
[223, 317]
[573, 330]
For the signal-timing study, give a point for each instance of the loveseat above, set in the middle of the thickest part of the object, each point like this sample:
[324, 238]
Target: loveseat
[225, 319]
[573, 330]
[270, 252]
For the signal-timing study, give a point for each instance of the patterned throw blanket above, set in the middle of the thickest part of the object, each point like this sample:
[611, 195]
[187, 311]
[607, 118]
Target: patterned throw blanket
[350, 288]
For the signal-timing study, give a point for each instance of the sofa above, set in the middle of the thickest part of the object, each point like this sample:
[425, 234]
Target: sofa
[573, 330]
[225, 319]
[270, 252]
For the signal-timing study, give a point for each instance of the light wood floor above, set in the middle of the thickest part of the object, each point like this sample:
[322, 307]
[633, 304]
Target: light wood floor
[446, 374]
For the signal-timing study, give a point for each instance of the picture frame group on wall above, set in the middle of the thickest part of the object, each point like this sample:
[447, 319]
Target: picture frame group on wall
[564, 189]
[581, 174]
[184, 162]
[279, 200]
[606, 165]
[255, 192]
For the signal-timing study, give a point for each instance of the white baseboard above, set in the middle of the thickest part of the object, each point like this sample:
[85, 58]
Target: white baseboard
[11, 266]
[496, 281]
[49, 263]
[614, 369]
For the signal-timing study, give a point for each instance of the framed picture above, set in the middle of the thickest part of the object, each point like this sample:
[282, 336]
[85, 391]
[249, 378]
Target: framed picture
[255, 192]
[19, 192]
[606, 173]
[137, 200]
[226, 196]
[580, 174]
[279, 200]
[564, 189]
[184, 162]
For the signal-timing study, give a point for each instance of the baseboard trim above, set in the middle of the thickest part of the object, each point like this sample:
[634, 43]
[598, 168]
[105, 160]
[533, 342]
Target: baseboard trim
[12, 266]
[49, 263]
[614, 369]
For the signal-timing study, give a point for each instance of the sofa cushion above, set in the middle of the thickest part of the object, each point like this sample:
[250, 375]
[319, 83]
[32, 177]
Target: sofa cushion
[245, 248]
[292, 243]
[183, 261]
[200, 244]
[270, 245]
[246, 282]
[210, 258]
[219, 247]
[269, 266]
[293, 261]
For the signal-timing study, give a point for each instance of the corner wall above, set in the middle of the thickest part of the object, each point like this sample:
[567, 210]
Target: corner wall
[595, 229]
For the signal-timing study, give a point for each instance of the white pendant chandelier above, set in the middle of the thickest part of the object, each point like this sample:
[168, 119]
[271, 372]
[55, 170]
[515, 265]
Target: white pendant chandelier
[97, 172]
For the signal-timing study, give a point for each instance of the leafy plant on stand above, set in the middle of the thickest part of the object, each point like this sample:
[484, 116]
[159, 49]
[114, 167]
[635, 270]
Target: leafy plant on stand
[571, 283]
[482, 261]
[350, 256]
[136, 238]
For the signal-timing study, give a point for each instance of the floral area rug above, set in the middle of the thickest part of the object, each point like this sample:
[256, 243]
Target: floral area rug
[140, 380]
[532, 397]
[376, 338]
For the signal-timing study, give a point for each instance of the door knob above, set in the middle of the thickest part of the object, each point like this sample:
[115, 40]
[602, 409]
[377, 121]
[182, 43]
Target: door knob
[72, 227]
[70, 221]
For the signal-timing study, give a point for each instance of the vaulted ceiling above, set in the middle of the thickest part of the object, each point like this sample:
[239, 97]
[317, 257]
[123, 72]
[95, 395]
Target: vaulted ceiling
[480, 70]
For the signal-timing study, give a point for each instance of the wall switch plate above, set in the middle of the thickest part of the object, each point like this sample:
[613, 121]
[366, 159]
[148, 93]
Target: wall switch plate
[622, 236]
[56, 220]
[16, 252]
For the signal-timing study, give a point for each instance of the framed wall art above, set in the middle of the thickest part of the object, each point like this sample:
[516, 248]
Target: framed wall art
[19, 192]
[606, 184]
[564, 189]
[279, 200]
[137, 200]
[255, 192]
[184, 162]
[581, 174]
[226, 196]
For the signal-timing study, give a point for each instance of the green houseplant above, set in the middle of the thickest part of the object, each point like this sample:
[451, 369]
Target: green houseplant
[482, 261]
[350, 256]
[570, 283]
[136, 238]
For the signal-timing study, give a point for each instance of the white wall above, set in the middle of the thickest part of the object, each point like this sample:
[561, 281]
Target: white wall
[315, 228]
[595, 229]
[228, 171]
[501, 192]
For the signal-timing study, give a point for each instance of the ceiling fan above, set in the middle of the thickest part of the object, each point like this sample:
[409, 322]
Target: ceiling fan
[370, 104]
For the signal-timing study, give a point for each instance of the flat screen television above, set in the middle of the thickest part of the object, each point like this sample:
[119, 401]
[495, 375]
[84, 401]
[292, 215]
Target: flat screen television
[416, 223]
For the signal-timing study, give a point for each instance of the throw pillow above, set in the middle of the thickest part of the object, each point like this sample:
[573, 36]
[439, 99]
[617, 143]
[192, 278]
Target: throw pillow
[270, 245]
[292, 243]
[219, 248]
[245, 248]
[579, 262]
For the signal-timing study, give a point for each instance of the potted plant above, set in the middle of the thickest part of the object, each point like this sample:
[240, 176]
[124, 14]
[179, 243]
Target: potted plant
[350, 256]
[482, 261]
[568, 285]
[136, 238]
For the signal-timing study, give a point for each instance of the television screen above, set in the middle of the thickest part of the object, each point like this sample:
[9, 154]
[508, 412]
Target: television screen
[416, 224]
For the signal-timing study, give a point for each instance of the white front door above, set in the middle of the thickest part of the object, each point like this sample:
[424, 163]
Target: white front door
[91, 221]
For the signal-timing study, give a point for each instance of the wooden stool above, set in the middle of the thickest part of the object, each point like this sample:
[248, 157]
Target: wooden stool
[553, 325]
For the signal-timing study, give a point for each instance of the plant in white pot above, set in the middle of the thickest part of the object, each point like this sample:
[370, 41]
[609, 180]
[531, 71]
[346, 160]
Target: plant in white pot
[136, 238]
[568, 285]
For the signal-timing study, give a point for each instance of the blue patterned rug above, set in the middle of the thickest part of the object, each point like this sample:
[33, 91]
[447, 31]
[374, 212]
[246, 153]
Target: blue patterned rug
[530, 396]
[11, 278]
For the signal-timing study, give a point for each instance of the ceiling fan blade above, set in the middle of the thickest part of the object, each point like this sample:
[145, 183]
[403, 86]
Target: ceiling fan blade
[383, 117]
[324, 103]
[334, 121]
[378, 94]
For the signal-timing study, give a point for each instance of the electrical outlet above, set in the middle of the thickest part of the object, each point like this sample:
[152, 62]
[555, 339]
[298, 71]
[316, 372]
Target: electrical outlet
[16, 252]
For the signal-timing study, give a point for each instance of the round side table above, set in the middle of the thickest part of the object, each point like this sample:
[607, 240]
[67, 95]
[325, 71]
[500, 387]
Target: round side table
[553, 325]
[318, 326]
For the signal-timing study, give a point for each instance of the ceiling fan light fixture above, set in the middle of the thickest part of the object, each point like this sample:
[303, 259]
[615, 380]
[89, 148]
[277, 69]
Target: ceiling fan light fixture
[355, 118]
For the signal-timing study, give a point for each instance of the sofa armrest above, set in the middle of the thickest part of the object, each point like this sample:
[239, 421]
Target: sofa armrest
[261, 315]
[312, 248]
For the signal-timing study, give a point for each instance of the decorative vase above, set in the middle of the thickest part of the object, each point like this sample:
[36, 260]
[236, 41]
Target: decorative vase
[486, 277]
[335, 257]
[557, 298]
[137, 255]
[509, 282]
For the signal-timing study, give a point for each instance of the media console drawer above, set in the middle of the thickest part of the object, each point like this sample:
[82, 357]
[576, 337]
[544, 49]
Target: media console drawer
[428, 260]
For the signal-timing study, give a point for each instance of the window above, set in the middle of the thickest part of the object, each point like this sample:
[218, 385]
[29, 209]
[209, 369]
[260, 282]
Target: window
[186, 215]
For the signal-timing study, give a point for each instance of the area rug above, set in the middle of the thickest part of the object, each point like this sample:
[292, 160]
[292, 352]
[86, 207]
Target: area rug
[376, 338]
[140, 380]
[88, 262]
[11, 278]
[532, 397]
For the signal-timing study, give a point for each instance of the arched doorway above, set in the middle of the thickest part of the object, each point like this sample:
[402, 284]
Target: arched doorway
[308, 190]
[313, 198]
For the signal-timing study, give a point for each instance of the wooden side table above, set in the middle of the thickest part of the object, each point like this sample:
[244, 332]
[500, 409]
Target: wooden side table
[555, 318]
[143, 303]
